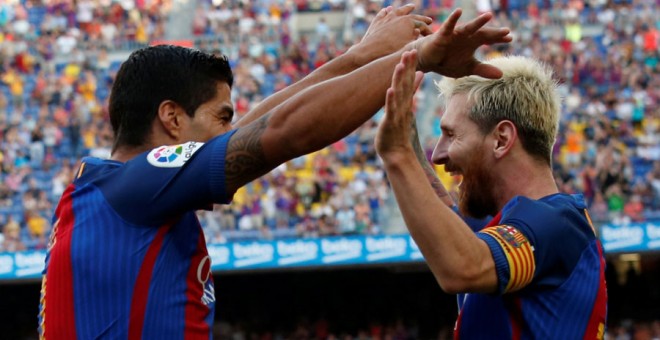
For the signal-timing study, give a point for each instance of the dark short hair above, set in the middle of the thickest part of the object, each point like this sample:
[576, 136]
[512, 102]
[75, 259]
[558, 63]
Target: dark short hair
[154, 74]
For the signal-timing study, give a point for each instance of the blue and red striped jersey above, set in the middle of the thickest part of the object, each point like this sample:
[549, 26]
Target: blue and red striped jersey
[551, 275]
[127, 257]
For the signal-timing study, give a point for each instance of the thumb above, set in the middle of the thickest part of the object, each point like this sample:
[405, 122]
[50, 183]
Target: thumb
[487, 71]
[419, 75]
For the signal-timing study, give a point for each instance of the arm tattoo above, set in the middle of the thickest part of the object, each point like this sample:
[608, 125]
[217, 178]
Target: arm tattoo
[245, 159]
[431, 175]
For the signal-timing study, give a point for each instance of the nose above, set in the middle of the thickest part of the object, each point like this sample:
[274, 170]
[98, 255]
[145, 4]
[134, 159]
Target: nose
[440, 155]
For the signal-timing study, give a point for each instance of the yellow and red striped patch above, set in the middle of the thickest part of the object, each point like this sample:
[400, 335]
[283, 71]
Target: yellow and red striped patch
[519, 254]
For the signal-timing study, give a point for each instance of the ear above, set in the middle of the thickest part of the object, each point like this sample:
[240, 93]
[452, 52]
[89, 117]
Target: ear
[169, 116]
[505, 135]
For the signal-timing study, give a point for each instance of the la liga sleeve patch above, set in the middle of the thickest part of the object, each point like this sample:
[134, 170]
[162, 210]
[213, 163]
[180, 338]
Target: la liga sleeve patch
[172, 156]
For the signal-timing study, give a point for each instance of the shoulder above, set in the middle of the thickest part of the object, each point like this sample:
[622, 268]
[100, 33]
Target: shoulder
[92, 168]
[558, 218]
[557, 209]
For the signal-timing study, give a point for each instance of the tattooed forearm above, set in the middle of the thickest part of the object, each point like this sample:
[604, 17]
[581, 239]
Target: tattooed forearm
[245, 159]
[431, 175]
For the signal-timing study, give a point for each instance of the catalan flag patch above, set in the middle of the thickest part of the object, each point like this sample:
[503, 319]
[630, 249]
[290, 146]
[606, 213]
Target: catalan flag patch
[519, 254]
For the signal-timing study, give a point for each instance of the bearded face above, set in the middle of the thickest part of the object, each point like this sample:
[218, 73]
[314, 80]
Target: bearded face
[477, 190]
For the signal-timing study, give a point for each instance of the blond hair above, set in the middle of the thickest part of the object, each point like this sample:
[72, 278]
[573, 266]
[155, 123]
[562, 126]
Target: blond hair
[526, 95]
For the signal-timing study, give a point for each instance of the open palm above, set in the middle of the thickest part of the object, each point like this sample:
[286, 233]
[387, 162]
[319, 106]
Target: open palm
[450, 50]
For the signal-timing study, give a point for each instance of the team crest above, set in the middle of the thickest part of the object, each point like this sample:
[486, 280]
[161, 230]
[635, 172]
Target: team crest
[172, 156]
[510, 235]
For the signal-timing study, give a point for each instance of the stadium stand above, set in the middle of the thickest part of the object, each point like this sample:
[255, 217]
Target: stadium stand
[57, 64]
[57, 72]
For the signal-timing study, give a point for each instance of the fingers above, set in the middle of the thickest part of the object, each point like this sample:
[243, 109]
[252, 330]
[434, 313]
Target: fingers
[422, 24]
[476, 23]
[383, 12]
[405, 9]
[404, 83]
[422, 18]
[425, 30]
[488, 35]
[419, 76]
[487, 71]
[390, 103]
[448, 26]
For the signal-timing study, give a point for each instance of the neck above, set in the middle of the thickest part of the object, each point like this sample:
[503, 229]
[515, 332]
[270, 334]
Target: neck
[125, 154]
[532, 180]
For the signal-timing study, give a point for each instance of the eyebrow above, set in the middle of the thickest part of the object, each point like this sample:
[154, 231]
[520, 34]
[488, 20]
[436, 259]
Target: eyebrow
[228, 109]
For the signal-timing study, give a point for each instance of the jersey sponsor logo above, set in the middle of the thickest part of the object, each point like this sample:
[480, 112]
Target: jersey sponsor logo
[173, 156]
[203, 277]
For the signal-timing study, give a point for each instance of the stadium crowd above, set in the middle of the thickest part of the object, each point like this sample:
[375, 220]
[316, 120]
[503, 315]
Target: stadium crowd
[56, 69]
[56, 72]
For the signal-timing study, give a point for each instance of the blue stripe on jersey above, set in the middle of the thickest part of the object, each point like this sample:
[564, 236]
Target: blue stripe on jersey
[570, 305]
[167, 285]
[104, 277]
[484, 316]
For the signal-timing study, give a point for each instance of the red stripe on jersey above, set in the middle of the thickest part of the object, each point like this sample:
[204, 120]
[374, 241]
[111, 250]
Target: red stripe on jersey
[198, 275]
[495, 221]
[457, 326]
[58, 306]
[596, 326]
[514, 306]
[142, 284]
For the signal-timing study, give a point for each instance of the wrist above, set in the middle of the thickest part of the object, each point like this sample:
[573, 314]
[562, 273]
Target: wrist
[416, 45]
[398, 158]
[359, 55]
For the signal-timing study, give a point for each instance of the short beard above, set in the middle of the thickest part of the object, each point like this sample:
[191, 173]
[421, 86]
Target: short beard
[476, 197]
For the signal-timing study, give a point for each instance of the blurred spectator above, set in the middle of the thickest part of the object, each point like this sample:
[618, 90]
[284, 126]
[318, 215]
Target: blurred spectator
[12, 236]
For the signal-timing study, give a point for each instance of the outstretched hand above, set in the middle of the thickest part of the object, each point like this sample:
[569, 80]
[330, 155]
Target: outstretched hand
[391, 30]
[450, 50]
[394, 132]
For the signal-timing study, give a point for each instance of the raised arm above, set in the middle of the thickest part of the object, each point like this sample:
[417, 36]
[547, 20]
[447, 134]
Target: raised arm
[459, 260]
[429, 171]
[328, 111]
[390, 30]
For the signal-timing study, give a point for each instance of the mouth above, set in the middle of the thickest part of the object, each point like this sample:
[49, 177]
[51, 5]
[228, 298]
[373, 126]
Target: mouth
[453, 171]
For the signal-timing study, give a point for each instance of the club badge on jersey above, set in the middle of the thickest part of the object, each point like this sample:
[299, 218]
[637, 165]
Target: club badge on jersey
[172, 156]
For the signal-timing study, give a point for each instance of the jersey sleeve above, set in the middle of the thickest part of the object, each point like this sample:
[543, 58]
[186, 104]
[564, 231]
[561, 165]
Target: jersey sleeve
[536, 243]
[169, 180]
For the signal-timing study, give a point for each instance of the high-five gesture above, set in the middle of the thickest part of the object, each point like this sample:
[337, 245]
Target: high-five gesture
[395, 129]
[390, 30]
[450, 50]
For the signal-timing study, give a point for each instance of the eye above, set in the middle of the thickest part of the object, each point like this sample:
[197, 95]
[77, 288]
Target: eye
[226, 114]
